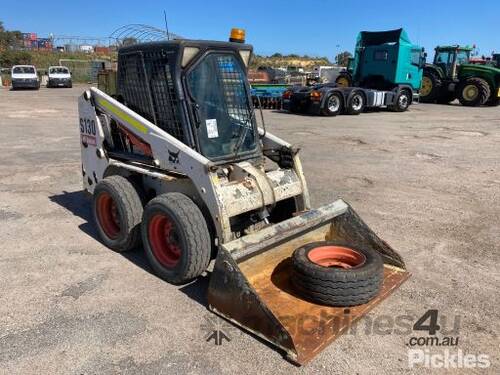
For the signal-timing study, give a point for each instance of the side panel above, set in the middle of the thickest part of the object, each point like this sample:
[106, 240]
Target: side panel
[94, 161]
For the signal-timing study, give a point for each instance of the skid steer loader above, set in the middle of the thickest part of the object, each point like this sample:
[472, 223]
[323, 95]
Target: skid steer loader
[176, 160]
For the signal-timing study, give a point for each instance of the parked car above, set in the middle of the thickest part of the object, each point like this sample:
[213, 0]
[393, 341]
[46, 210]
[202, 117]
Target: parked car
[24, 76]
[59, 76]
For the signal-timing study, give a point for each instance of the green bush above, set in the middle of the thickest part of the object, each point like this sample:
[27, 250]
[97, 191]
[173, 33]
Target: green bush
[9, 58]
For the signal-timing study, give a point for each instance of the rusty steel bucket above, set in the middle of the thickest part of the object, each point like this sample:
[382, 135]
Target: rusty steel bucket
[250, 284]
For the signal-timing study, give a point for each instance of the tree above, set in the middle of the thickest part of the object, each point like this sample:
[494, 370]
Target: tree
[343, 58]
[9, 39]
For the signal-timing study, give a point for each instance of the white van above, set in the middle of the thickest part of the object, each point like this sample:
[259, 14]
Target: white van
[24, 76]
[59, 76]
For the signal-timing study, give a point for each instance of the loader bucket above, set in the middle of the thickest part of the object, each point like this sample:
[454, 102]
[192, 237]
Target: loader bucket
[250, 284]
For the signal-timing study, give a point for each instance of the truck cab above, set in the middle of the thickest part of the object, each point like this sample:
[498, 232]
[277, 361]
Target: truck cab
[59, 76]
[383, 60]
[24, 76]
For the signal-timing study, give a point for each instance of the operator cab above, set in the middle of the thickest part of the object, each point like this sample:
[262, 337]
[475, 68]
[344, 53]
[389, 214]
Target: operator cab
[448, 58]
[197, 91]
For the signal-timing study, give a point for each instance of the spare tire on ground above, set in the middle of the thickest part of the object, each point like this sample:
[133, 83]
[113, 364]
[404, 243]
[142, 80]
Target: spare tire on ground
[337, 274]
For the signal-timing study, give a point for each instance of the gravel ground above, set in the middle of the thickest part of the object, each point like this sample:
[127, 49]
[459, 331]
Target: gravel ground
[427, 181]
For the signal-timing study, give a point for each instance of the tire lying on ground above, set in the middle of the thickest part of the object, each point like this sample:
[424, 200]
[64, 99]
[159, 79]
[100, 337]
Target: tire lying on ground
[336, 274]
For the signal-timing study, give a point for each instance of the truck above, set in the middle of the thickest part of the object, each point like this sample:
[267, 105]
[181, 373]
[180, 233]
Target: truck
[386, 72]
[452, 76]
[59, 76]
[177, 164]
[24, 77]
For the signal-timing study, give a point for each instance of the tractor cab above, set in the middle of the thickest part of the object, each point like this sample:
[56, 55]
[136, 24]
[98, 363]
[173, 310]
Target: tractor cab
[447, 58]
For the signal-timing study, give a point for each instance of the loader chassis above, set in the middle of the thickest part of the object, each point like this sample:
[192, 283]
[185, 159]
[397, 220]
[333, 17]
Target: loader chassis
[178, 147]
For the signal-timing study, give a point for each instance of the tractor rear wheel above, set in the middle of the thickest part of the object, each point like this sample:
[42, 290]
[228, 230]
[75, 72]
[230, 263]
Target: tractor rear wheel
[431, 86]
[473, 92]
[117, 211]
[176, 238]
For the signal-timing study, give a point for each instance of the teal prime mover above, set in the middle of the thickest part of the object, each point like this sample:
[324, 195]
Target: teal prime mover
[386, 71]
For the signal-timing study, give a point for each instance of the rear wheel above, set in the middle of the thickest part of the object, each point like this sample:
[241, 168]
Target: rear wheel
[176, 238]
[473, 92]
[355, 103]
[332, 105]
[431, 85]
[117, 211]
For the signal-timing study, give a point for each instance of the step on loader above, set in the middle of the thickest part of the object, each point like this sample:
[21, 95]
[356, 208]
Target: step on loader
[177, 164]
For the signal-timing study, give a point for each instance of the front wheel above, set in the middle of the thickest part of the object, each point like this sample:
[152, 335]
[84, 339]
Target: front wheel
[333, 104]
[402, 102]
[355, 103]
[176, 238]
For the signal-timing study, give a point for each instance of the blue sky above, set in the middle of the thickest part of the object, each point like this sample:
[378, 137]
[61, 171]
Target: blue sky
[316, 28]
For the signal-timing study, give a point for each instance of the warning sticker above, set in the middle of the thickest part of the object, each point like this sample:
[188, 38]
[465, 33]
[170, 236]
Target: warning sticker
[212, 131]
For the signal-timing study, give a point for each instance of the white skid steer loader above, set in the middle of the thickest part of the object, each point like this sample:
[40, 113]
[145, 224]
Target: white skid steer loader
[175, 161]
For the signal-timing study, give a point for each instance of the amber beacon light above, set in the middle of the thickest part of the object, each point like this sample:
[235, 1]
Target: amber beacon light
[237, 35]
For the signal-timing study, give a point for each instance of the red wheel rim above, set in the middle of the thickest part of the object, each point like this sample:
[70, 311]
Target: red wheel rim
[164, 240]
[108, 215]
[336, 256]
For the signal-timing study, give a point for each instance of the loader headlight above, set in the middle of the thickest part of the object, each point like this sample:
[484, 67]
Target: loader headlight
[188, 54]
[245, 56]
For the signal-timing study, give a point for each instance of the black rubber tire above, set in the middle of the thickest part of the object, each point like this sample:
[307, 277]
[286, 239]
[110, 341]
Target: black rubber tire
[401, 105]
[336, 286]
[326, 111]
[351, 102]
[482, 87]
[347, 77]
[436, 87]
[193, 232]
[129, 207]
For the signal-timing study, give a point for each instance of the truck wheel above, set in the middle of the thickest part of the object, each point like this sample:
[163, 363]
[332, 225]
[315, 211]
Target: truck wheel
[176, 238]
[355, 103]
[402, 101]
[336, 274]
[117, 211]
[333, 104]
[431, 86]
[473, 92]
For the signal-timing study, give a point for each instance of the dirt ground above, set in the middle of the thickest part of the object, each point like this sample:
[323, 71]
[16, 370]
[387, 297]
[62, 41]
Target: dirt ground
[427, 181]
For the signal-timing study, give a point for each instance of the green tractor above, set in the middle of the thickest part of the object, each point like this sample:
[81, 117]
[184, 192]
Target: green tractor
[451, 77]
